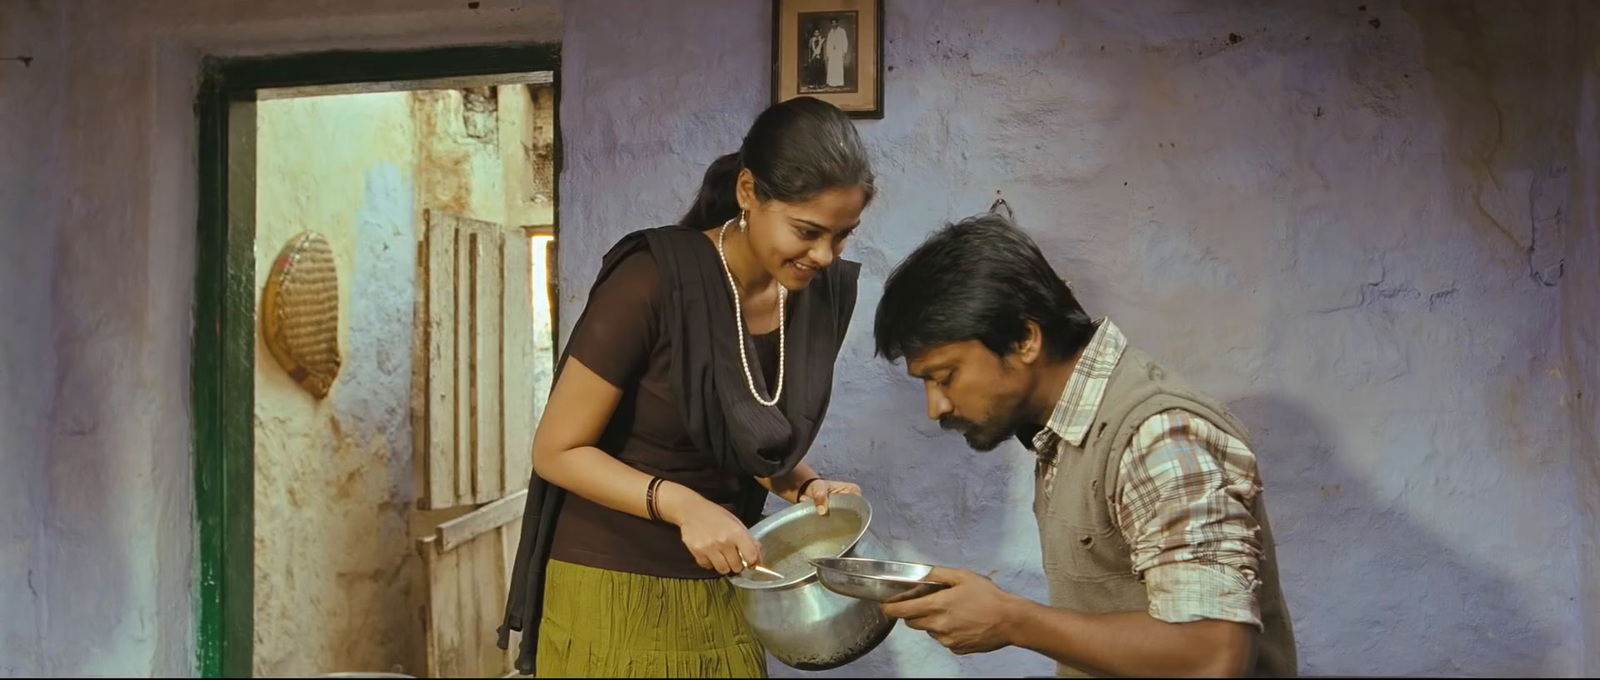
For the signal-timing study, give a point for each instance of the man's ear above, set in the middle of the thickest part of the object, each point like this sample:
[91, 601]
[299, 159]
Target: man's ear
[999, 207]
[1032, 345]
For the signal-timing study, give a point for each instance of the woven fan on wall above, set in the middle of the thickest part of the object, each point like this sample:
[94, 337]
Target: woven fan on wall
[300, 313]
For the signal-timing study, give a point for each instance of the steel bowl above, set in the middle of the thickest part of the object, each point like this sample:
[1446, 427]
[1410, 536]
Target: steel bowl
[875, 580]
[799, 621]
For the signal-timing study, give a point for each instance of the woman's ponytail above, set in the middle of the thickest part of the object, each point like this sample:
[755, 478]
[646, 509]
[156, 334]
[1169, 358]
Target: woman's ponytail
[718, 200]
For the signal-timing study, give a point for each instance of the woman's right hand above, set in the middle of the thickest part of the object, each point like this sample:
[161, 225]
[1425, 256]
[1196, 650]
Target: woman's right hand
[716, 538]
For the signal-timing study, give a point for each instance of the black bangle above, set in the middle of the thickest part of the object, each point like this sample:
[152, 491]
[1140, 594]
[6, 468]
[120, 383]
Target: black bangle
[650, 498]
[801, 492]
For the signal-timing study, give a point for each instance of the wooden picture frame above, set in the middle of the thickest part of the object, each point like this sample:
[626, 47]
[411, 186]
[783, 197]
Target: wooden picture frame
[831, 50]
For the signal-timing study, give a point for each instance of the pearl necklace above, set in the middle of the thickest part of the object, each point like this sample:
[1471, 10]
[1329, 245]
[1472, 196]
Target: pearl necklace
[738, 322]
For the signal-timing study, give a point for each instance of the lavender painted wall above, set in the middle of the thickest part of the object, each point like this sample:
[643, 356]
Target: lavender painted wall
[1341, 218]
[30, 102]
[1581, 314]
[1416, 444]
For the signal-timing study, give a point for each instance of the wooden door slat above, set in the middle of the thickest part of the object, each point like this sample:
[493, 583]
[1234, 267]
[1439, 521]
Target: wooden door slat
[488, 408]
[439, 293]
[517, 390]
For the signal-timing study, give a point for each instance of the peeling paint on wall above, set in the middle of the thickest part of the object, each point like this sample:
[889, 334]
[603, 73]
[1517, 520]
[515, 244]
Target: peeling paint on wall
[458, 166]
[335, 574]
[338, 584]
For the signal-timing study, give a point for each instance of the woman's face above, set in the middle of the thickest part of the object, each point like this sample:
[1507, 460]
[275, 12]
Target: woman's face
[793, 241]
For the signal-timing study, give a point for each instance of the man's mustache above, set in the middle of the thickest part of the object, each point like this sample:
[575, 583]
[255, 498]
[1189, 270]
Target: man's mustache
[961, 425]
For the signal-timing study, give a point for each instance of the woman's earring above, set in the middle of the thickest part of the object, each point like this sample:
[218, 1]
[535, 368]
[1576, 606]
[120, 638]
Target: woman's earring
[744, 220]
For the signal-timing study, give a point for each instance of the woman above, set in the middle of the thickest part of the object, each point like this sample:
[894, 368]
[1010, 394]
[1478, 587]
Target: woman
[693, 384]
[816, 68]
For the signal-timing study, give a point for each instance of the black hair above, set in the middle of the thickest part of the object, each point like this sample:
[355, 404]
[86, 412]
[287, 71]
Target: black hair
[979, 279]
[796, 149]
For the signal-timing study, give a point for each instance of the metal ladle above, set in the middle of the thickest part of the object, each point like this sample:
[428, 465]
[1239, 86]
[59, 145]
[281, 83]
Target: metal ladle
[762, 570]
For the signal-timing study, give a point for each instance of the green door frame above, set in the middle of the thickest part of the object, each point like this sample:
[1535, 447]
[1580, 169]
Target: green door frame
[223, 363]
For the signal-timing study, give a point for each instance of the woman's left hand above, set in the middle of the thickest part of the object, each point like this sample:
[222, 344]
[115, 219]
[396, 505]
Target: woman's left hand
[819, 491]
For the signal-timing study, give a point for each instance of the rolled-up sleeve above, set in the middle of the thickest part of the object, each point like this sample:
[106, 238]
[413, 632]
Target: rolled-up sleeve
[1184, 498]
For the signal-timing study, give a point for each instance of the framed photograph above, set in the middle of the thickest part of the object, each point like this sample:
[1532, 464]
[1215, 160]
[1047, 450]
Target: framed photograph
[831, 50]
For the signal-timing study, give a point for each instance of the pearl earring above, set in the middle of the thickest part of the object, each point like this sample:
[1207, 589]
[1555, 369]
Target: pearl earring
[744, 221]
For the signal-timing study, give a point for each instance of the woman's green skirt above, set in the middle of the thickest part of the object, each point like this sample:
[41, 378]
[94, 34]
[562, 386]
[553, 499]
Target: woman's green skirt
[602, 623]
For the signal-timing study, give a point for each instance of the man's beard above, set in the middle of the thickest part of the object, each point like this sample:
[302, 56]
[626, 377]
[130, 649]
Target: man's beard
[985, 437]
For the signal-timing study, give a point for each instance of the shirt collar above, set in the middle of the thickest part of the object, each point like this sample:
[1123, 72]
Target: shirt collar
[1086, 388]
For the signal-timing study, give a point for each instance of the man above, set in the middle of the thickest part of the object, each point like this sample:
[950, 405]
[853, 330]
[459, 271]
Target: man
[838, 46]
[1155, 540]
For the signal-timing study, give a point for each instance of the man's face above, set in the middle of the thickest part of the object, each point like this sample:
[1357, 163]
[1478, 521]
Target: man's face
[973, 391]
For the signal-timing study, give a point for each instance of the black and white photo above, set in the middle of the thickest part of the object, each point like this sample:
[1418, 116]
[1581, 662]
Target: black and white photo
[831, 50]
[828, 52]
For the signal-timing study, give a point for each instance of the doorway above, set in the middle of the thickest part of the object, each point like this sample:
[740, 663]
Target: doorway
[359, 471]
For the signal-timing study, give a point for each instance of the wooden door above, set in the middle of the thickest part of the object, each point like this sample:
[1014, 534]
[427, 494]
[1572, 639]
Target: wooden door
[478, 396]
[473, 401]
[468, 566]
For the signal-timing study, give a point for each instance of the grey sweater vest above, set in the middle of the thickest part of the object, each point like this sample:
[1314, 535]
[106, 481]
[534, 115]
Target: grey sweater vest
[1086, 561]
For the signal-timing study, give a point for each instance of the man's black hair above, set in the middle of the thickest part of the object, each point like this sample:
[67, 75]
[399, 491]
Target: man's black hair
[979, 279]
